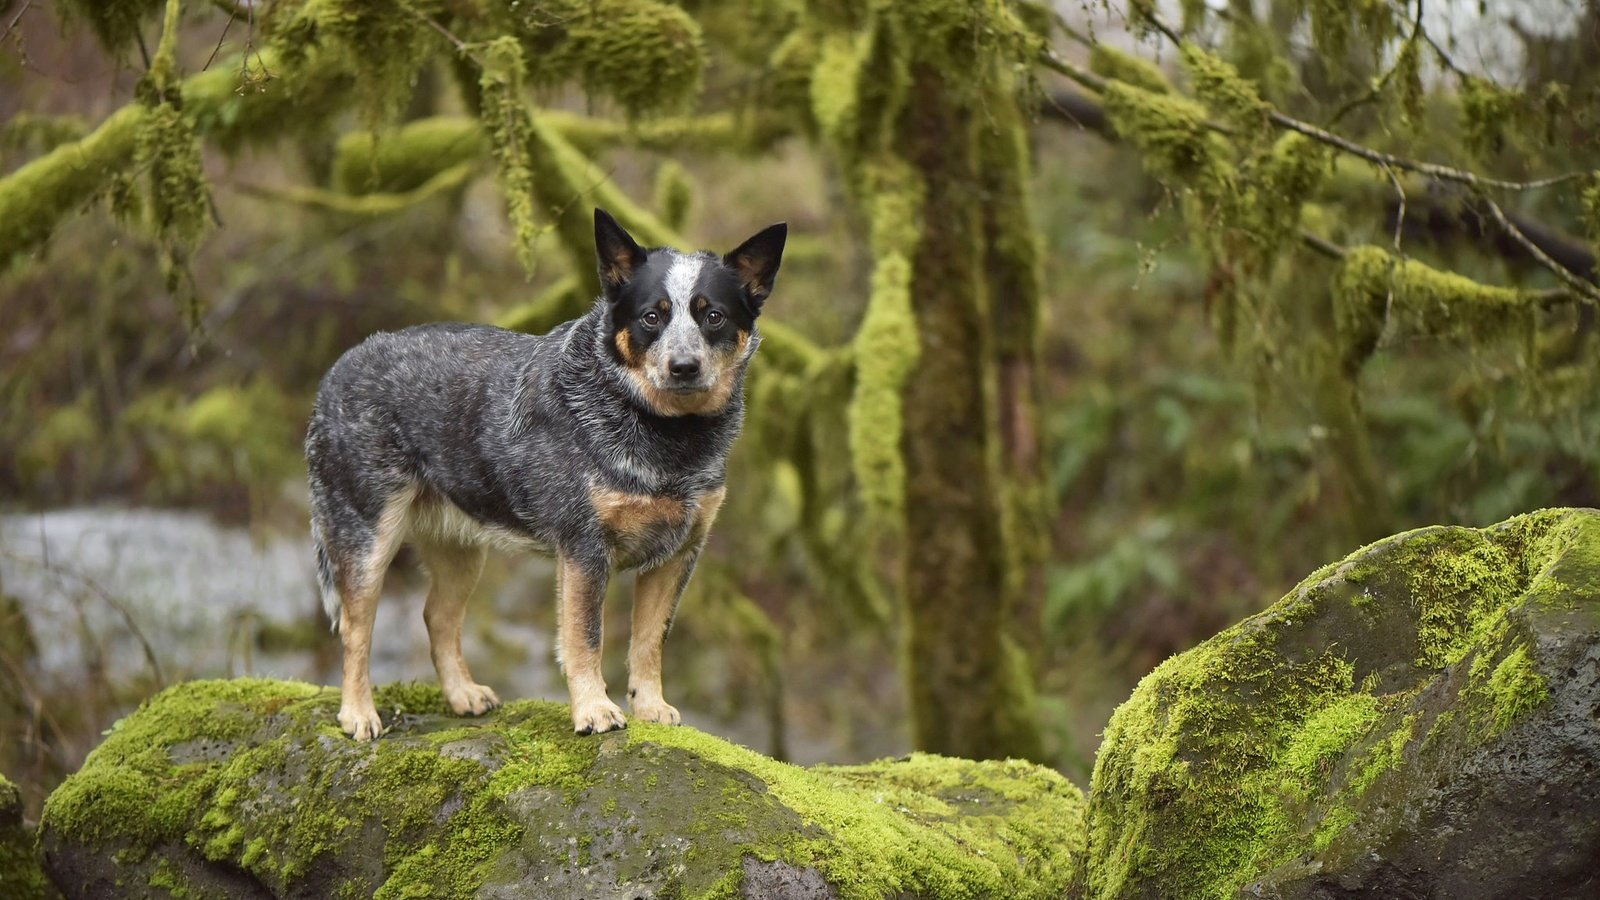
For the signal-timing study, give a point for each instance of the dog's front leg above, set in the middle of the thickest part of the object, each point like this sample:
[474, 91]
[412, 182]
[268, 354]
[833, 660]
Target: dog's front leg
[582, 585]
[655, 600]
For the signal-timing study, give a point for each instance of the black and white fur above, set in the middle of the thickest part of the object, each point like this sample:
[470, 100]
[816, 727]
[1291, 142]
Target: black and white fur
[603, 443]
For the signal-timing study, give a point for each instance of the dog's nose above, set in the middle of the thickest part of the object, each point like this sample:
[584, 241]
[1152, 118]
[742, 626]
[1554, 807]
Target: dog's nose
[683, 367]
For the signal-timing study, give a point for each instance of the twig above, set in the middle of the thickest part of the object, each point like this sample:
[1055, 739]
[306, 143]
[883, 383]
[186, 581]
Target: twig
[1582, 287]
[220, 38]
[461, 46]
[1322, 245]
[100, 591]
[15, 19]
[1433, 170]
[1400, 212]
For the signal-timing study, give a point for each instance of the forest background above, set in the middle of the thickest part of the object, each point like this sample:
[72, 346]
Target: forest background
[1100, 325]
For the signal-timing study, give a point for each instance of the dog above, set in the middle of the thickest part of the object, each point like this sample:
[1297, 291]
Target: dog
[603, 443]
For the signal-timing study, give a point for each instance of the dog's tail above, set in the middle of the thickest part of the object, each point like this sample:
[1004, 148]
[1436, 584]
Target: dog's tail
[331, 602]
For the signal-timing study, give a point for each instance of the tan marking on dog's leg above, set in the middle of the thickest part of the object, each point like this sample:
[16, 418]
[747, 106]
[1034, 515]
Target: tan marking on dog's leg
[454, 570]
[655, 596]
[655, 601]
[359, 592]
[582, 594]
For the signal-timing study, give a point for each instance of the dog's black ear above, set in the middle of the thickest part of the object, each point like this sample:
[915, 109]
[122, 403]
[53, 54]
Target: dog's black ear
[756, 262]
[619, 255]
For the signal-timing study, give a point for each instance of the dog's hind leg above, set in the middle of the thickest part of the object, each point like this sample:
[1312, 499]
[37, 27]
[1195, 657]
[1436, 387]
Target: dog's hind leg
[582, 589]
[360, 582]
[454, 570]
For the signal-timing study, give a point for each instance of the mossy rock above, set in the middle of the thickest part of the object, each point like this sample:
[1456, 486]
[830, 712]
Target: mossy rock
[1419, 720]
[21, 878]
[247, 788]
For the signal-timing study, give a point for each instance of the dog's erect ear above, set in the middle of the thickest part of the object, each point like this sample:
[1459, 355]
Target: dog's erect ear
[619, 255]
[756, 262]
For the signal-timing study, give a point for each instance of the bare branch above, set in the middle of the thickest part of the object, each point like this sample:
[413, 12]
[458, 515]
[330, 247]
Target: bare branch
[1579, 285]
[15, 19]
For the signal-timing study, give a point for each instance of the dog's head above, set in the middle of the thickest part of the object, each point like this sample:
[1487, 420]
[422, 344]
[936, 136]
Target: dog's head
[682, 325]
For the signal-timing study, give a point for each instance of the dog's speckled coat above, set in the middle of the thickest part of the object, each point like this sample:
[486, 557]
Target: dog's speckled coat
[603, 443]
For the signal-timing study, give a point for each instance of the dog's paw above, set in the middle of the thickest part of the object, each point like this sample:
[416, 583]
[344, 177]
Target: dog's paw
[656, 710]
[597, 716]
[361, 723]
[470, 699]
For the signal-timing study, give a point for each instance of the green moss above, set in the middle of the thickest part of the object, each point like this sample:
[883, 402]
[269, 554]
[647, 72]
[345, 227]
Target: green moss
[21, 877]
[406, 157]
[1387, 671]
[1172, 136]
[1377, 295]
[1324, 737]
[1220, 86]
[509, 125]
[1113, 63]
[254, 774]
[885, 349]
[673, 195]
[1515, 688]
[118, 24]
[646, 55]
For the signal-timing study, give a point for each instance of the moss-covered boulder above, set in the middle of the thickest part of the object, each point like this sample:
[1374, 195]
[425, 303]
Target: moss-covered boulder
[21, 878]
[20, 875]
[247, 788]
[1419, 720]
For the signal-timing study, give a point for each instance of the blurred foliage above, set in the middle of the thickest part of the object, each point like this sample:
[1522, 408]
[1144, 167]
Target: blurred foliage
[1208, 436]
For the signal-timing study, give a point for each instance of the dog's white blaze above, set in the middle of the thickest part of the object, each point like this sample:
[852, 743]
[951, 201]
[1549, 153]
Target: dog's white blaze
[682, 332]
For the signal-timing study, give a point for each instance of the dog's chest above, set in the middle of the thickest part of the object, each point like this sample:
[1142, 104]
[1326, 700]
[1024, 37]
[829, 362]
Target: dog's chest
[642, 530]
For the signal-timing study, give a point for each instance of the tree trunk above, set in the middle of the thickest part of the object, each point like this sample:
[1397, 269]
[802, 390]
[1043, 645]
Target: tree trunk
[969, 683]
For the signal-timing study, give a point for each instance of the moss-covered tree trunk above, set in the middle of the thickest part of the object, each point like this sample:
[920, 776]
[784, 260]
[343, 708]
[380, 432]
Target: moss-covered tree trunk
[970, 686]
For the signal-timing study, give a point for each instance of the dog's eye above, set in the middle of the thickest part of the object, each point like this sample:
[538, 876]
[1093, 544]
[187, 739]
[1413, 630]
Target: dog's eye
[714, 318]
[652, 319]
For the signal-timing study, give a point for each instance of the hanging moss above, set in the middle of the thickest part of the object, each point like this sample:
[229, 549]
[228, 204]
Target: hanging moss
[117, 24]
[35, 197]
[1590, 198]
[648, 56]
[1171, 134]
[1489, 113]
[1376, 294]
[387, 42]
[509, 129]
[177, 199]
[1220, 86]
